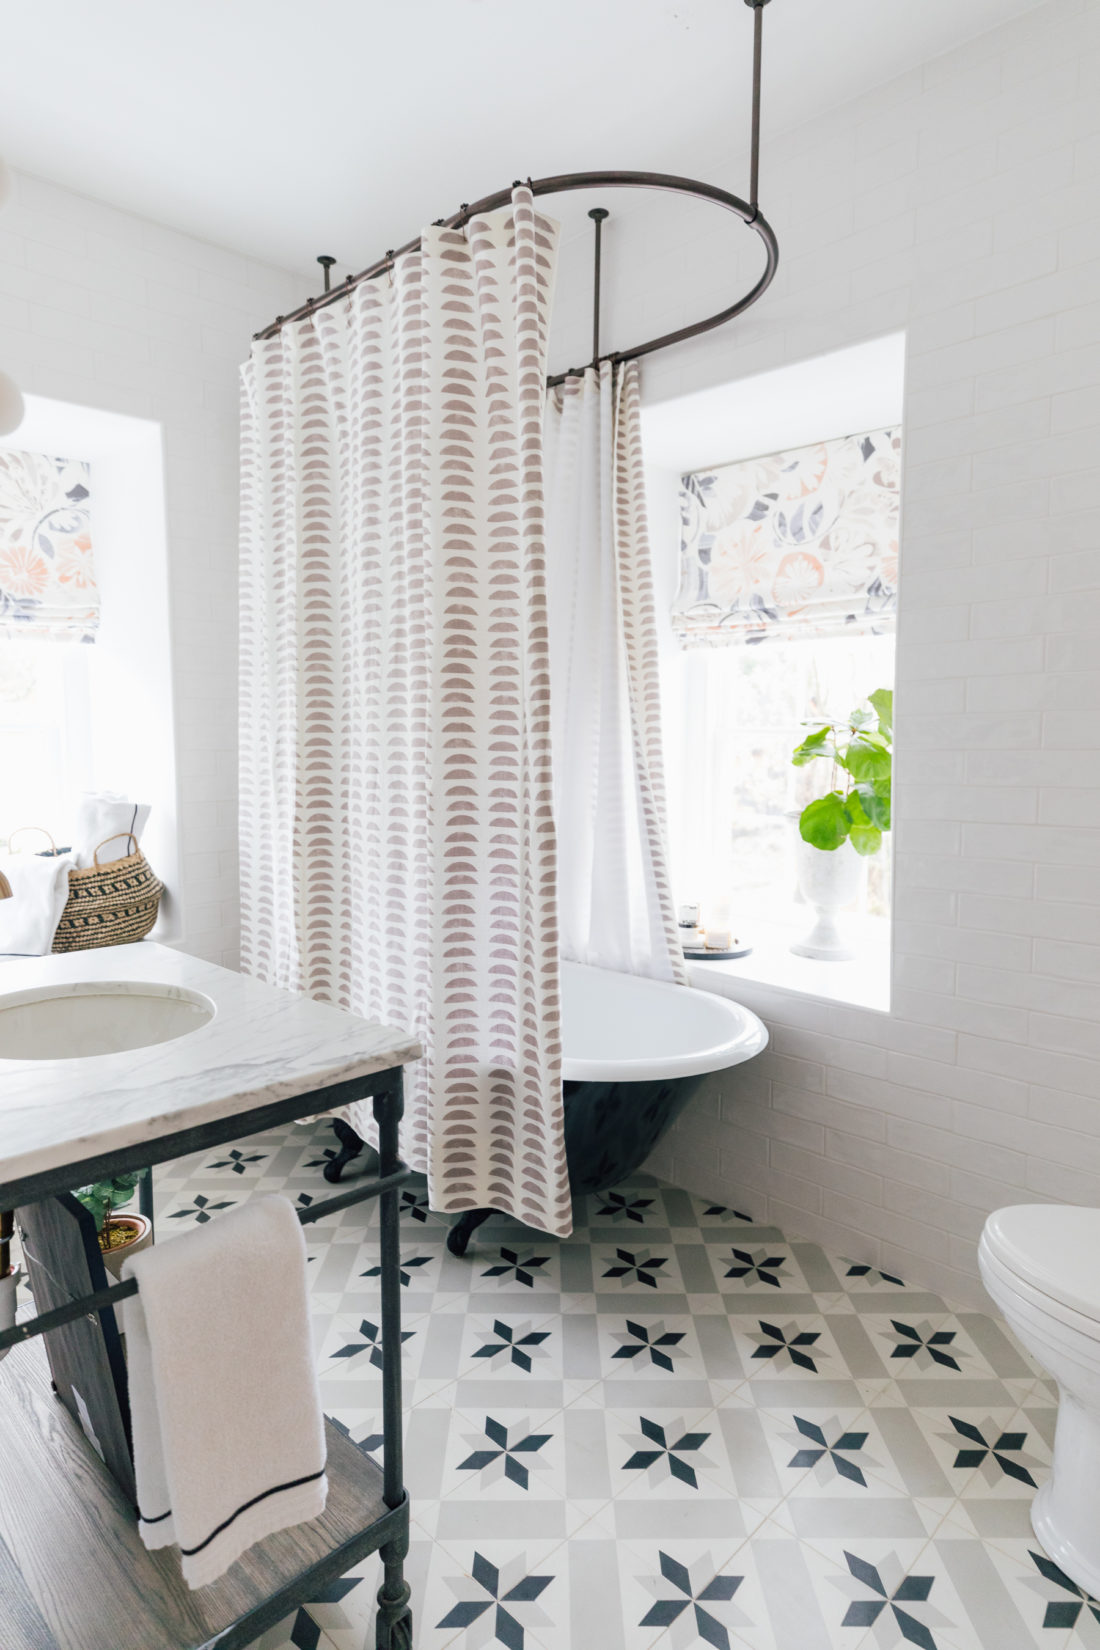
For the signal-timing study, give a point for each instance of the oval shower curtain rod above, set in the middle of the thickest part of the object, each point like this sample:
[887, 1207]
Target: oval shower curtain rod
[748, 211]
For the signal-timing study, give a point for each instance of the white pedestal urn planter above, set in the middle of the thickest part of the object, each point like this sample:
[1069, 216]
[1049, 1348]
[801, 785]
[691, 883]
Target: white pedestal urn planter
[829, 881]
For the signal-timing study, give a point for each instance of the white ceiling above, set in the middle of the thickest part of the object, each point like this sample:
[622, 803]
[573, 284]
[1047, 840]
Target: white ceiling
[285, 128]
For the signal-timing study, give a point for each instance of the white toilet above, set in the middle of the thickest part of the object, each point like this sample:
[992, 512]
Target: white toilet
[1041, 1264]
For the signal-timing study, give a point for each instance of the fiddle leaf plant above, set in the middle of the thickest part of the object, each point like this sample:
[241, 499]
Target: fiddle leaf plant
[103, 1197]
[857, 808]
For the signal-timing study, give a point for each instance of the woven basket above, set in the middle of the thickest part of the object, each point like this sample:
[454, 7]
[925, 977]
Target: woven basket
[112, 904]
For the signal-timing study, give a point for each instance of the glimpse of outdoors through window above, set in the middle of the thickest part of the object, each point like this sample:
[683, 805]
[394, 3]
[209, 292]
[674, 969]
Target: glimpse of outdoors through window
[746, 710]
[44, 735]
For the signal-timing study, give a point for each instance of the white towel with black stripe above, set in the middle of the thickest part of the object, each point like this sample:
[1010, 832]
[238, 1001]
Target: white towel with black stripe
[228, 1433]
[39, 890]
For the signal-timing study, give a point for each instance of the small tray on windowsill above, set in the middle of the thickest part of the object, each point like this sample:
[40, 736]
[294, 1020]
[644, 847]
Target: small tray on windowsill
[717, 956]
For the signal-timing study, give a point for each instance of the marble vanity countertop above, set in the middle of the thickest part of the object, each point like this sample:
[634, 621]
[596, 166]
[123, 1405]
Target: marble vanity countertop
[262, 1045]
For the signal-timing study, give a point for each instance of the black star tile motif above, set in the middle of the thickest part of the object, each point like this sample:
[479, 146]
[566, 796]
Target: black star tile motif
[512, 1265]
[618, 1207]
[819, 1448]
[719, 1590]
[660, 1450]
[408, 1267]
[780, 1344]
[510, 1455]
[415, 1204]
[509, 1342]
[640, 1267]
[319, 1162]
[507, 1629]
[200, 1210]
[861, 1271]
[305, 1633]
[657, 1342]
[1064, 1612]
[977, 1451]
[758, 1264]
[370, 1341]
[923, 1344]
[909, 1590]
[720, 1209]
[238, 1162]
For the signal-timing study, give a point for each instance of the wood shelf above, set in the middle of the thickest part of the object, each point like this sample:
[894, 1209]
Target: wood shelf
[74, 1574]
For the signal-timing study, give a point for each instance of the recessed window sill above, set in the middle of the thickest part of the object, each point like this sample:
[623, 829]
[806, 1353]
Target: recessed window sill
[862, 983]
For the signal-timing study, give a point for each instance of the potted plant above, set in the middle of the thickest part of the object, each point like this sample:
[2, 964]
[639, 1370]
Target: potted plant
[841, 829]
[119, 1235]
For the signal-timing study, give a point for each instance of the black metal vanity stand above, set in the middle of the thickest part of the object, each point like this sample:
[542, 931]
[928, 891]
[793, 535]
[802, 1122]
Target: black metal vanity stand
[74, 1574]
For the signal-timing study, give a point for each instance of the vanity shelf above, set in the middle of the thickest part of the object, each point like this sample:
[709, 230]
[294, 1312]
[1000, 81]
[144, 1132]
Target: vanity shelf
[74, 1574]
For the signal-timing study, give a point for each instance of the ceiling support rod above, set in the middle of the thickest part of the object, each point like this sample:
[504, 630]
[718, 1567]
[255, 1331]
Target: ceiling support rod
[757, 59]
[597, 214]
[748, 211]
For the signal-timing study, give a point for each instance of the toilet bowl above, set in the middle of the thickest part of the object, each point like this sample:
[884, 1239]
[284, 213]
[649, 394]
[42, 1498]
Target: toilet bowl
[1040, 1263]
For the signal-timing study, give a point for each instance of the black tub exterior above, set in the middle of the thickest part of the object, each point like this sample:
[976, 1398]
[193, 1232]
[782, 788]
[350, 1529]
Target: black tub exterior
[611, 1128]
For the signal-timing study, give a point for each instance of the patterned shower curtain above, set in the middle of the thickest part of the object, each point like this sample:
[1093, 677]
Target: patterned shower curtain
[614, 892]
[396, 797]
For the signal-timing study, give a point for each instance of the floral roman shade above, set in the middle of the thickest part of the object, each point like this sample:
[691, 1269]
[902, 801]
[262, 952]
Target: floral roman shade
[47, 577]
[800, 543]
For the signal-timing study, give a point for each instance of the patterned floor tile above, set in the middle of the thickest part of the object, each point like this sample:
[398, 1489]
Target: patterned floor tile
[1010, 1593]
[685, 1591]
[793, 1595]
[297, 1632]
[777, 1346]
[649, 1348]
[914, 1344]
[764, 1270]
[497, 1592]
[522, 1269]
[677, 1428]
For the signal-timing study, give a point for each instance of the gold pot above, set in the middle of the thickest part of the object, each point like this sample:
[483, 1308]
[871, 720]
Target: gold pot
[142, 1230]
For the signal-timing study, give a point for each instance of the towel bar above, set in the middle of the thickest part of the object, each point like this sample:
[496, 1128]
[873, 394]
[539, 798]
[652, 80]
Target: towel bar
[87, 1304]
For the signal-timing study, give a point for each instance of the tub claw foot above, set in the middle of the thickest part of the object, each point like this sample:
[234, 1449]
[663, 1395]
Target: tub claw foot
[458, 1238]
[350, 1146]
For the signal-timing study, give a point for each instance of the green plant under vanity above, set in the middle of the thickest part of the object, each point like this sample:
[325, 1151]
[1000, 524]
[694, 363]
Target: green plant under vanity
[857, 809]
[103, 1197]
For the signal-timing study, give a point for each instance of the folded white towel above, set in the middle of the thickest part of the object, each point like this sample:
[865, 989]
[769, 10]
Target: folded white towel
[229, 1442]
[40, 887]
[103, 815]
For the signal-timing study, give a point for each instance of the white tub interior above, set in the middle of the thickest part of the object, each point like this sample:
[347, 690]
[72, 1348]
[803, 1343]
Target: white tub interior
[621, 1028]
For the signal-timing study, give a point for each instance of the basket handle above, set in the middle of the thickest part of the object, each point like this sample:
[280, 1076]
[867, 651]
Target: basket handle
[42, 828]
[130, 837]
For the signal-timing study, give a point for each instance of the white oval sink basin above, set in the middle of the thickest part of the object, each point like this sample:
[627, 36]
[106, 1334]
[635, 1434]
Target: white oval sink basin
[71, 1022]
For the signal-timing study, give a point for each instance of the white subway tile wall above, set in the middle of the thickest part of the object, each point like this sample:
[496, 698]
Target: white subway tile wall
[108, 310]
[963, 204]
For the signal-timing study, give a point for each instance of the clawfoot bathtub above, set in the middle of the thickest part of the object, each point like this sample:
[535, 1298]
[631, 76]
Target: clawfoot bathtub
[634, 1051]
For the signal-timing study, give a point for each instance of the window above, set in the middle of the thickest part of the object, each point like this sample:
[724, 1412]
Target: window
[785, 612]
[49, 605]
[745, 710]
[45, 735]
[75, 717]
